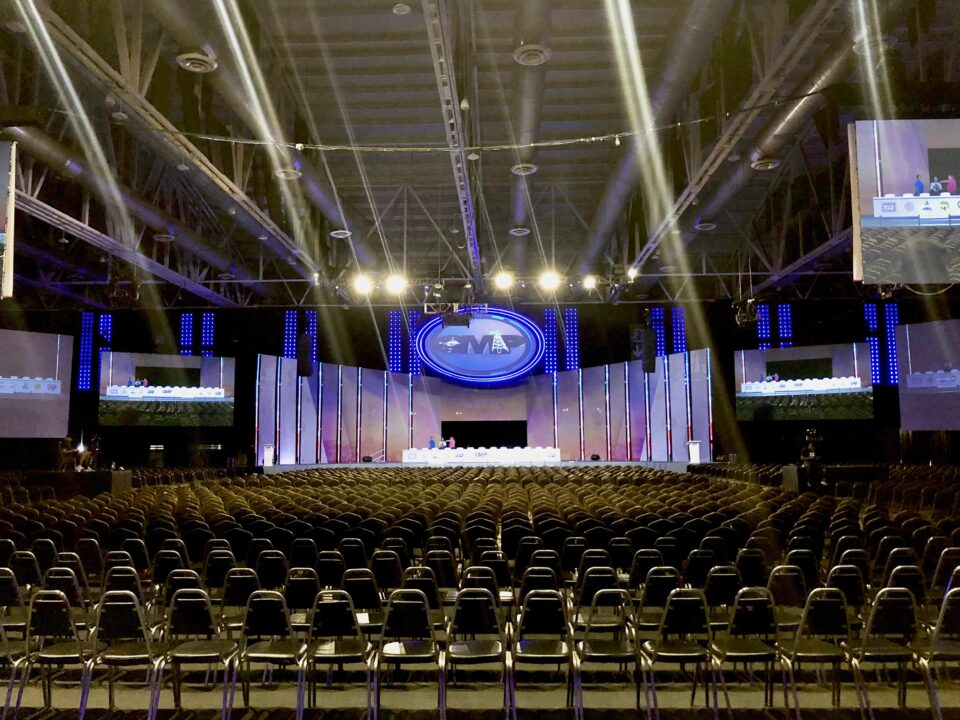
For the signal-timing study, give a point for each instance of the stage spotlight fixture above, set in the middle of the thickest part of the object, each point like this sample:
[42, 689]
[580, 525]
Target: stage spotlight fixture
[632, 273]
[503, 280]
[396, 284]
[362, 285]
[550, 280]
[589, 282]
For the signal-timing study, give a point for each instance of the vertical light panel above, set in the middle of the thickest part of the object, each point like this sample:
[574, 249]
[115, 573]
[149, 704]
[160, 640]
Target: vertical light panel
[311, 318]
[659, 417]
[329, 411]
[85, 371]
[206, 334]
[395, 341]
[678, 322]
[568, 415]
[372, 409]
[398, 415]
[186, 333]
[550, 335]
[290, 334]
[637, 413]
[785, 324]
[266, 403]
[106, 331]
[596, 441]
[659, 330]
[678, 406]
[763, 326]
[349, 413]
[572, 334]
[873, 342]
[309, 402]
[891, 314]
[541, 421]
[617, 417]
[414, 366]
[288, 405]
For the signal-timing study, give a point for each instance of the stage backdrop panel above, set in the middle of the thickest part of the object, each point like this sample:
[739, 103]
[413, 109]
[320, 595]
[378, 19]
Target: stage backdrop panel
[540, 417]
[639, 446]
[679, 418]
[349, 417]
[309, 417]
[618, 411]
[657, 391]
[568, 414]
[700, 402]
[427, 403]
[287, 409]
[266, 404]
[458, 402]
[398, 415]
[329, 411]
[594, 381]
[371, 413]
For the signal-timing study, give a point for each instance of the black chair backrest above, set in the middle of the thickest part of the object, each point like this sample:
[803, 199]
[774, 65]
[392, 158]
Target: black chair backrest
[330, 568]
[50, 619]
[238, 585]
[475, 613]
[753, 614]
[893, 614]
[848, 580]
[301, 588]
[685, 614]
[408, 616]
[825, 615]
[191, 615]
[543, 613]
[266, 616]
[120, 618]
[333, 616]
[360, 584]
[64, 580]
[721, 586]
[660, 582]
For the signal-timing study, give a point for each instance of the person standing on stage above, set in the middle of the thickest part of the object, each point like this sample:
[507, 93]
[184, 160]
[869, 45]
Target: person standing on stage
[951, 184]
[918, 186]
[451, 443]
[433, 443]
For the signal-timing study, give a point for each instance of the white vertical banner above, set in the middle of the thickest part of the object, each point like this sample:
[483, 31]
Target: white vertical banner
[8, 157]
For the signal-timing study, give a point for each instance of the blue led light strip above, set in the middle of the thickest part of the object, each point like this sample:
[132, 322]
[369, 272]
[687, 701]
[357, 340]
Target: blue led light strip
[395, 341]
[550, 340]
[870, 316]
[290, 334]
[763, 326]
[311, 317]
[186, 333]
[85, 371]
[679, 322]
[572, 334]
[413, 357]
[891, 314]
[206, 334]
[660, 330]
[785, 324]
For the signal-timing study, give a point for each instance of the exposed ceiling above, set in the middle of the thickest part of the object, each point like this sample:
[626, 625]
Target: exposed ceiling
[446, 140]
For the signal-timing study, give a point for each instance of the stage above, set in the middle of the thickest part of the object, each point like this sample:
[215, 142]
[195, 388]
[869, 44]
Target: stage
[680, 467]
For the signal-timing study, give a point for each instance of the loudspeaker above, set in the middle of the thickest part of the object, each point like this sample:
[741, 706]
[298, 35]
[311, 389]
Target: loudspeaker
[367, 458]
[648, 350]
[595, 457]
[304, 362]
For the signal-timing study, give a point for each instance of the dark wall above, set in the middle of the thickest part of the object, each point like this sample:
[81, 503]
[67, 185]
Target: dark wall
[356, 336]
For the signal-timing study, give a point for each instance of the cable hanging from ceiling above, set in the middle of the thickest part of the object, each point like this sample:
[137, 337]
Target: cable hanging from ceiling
[612, 137]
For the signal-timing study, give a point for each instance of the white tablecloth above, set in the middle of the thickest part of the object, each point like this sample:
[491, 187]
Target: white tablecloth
[483, 456]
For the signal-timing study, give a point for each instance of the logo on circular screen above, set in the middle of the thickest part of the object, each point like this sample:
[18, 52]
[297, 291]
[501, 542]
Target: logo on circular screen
[496, 347]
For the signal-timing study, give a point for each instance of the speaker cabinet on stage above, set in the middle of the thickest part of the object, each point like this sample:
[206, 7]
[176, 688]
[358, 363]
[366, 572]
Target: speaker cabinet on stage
[304, 361]
[648, 350]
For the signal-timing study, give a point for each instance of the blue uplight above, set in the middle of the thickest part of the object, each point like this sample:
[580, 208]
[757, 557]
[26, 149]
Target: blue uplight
[892, 316]
[413, 358]
[550, 340]
[85, 371]
[785, 324]
[572, 333]
[290, 334]
[186, 333]
[206, 334]
[679, 322]
[395, 341]
[763, 326]
[311, 317]
[660, 330]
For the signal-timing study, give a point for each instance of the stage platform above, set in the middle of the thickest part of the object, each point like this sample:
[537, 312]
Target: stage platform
[681, 467]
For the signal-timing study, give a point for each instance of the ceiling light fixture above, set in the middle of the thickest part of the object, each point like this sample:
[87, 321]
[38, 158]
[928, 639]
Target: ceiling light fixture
[396, 284]
[519, 231]
[503, 280]
[590, 282]
[363, 285]
[632, 272]
[341, 234]
[163, 238]
[473, 155]
[549, 280]
[668, 269]
[288, 173]
[524, 168]
[401, 8]
[197, 62]
[765, 164]
[704, 225]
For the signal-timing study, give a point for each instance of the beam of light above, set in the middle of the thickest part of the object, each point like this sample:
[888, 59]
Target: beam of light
[261, 107]
[657, 195]
[868, 30]
[82, 126]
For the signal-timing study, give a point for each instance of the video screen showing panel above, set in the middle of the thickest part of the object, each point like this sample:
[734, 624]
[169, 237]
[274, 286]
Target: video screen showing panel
[928, 357]
[907, 172]
[817, 382]
[34, 384]
[166, 390]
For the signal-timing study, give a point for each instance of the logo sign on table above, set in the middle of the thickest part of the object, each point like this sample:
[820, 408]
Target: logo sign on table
[497, 347]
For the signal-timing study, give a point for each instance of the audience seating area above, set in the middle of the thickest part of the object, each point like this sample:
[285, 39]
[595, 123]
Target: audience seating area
[387, 578]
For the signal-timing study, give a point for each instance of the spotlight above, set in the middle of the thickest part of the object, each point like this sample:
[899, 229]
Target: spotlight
[396, 284]
[503, 280]
[363, 285]
[632, 273]
[549, 280]
[589, 282]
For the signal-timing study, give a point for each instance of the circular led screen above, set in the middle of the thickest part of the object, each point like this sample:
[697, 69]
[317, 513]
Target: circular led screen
[496, 347]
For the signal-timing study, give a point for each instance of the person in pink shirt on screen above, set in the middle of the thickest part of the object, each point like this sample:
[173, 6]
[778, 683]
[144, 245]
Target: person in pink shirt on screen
[951, 184]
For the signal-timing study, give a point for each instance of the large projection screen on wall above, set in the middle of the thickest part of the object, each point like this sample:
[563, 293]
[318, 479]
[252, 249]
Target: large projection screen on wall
[34, 384]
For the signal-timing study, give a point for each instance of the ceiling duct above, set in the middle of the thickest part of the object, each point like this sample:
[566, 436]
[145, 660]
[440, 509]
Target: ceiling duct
[531, 53]
[688, 51]
[187, 29]
[64, 161]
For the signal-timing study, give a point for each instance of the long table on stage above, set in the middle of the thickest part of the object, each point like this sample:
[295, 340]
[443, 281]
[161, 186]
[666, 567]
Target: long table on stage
[482, 456]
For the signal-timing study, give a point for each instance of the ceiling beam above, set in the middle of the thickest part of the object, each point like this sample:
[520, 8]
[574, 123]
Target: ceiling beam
[795, 268]
[60, 220]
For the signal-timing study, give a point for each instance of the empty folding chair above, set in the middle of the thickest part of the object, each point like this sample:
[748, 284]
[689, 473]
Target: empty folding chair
[608, 636]
[942, 647]
[334, 639]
